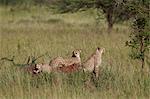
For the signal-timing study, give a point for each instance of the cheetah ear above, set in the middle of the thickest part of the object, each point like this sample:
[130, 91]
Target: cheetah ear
[35, 65]
[98, 48]
[73, 54]
[80, 50]
[104, 50]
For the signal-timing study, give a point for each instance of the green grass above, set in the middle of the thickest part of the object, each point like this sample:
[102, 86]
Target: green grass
[39, 31]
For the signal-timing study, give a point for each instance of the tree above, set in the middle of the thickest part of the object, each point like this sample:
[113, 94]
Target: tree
[140, 38]
[114, 10]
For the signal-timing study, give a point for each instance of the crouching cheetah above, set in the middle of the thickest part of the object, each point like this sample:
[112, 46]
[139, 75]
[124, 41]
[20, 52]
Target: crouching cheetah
[60, 61]
[60, 64]
[42, 68]
[48, 69]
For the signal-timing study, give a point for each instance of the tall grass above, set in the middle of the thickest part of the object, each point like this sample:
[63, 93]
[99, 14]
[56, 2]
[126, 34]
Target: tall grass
[39, 31]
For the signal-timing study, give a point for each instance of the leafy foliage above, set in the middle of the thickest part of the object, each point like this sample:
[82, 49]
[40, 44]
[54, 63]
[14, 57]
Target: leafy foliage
[140, 38]
[115, 11]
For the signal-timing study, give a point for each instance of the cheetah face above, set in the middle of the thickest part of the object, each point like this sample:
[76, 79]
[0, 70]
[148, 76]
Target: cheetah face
[76, 53]
[101, 50]
[37, 69]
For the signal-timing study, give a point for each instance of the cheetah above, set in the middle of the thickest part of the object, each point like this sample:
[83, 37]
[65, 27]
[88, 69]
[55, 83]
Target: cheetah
[93, 62]
[60, 61]
[48, 69]
[42, 68]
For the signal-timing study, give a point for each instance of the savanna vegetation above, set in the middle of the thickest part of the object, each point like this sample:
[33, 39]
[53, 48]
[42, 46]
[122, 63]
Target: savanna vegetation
[42, 30]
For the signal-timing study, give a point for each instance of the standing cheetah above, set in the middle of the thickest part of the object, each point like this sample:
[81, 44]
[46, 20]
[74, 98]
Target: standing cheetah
[93, 62]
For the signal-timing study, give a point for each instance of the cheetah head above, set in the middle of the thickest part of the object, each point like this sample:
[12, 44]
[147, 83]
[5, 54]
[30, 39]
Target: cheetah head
[37, 69]
[76, 53]
[100, 50]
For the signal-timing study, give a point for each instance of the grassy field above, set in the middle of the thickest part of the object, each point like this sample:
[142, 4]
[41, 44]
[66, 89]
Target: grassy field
[38, 30]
